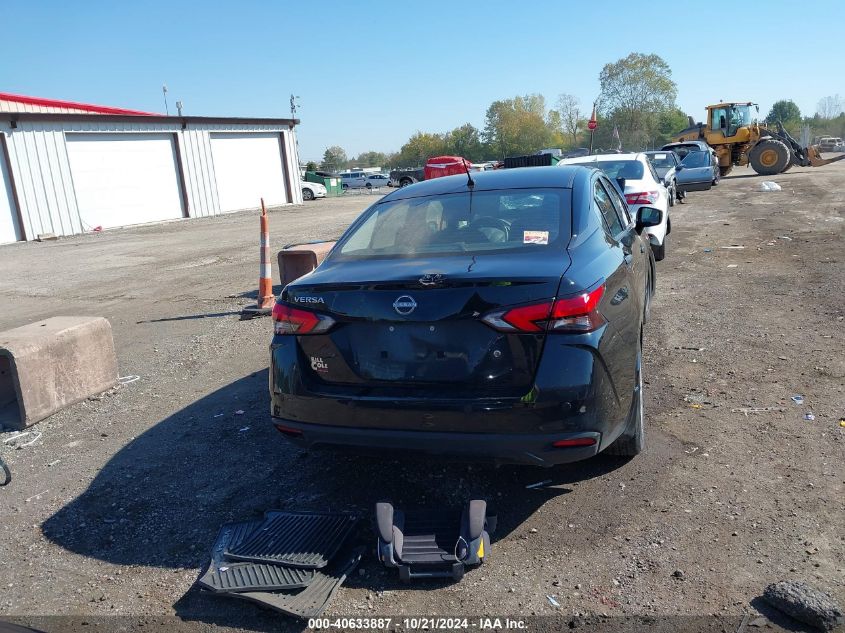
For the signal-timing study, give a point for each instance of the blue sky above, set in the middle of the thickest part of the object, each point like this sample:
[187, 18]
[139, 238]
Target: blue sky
[370, 77]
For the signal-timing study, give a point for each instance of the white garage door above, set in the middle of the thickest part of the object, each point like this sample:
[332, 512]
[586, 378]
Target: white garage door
[248, 167]
[123, 179]
[9, 230]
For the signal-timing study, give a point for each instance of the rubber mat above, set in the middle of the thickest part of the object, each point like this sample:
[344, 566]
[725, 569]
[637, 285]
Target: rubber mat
[297, 539]
[225, 576]
[311, 601]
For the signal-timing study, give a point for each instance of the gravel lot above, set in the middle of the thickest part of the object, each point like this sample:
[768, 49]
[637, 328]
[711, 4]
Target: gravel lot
[113, 511]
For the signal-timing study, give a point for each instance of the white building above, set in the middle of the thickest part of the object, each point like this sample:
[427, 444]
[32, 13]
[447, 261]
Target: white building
[68, 168]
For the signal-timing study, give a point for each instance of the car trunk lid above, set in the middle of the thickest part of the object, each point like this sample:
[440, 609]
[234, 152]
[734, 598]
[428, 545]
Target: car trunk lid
[416, 322]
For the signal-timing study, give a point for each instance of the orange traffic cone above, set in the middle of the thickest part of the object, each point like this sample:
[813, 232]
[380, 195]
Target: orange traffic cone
[266, 300]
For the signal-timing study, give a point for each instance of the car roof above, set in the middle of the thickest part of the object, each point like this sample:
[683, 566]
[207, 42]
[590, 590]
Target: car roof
[517, 178]
[700, 144]
[599, 158]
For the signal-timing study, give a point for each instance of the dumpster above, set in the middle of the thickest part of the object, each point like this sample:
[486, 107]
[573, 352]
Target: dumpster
[331, 183]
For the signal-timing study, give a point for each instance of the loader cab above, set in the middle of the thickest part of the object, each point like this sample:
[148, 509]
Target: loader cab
[729, 118]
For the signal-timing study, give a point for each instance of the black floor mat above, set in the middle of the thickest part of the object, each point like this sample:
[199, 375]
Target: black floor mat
[311, 601]
[226, 576]
[295, 539]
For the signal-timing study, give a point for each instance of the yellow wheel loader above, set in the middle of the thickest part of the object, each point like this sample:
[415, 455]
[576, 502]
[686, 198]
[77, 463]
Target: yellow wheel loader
[740, 140]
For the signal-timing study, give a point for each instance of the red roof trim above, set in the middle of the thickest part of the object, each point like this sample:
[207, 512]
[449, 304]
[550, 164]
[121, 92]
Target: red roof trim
[56, 103]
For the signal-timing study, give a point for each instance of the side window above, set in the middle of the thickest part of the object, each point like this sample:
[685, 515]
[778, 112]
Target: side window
[719, 120]
[653, 173]
[619, 204]
[606, 208]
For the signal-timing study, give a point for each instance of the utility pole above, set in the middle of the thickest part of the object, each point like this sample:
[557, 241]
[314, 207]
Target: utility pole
[164, 92]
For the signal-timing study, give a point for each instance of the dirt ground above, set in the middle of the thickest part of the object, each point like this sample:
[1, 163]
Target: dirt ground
[110, 515]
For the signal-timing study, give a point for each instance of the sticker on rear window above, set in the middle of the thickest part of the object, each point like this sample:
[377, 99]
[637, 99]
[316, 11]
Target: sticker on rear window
[658, 156]
[535, 237]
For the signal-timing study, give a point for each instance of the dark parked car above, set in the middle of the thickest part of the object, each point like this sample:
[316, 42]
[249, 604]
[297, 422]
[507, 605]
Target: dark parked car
[501, 320]
[699, 168]
[665, 163]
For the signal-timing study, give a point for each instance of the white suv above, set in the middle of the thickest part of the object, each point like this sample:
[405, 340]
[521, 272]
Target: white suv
[642, 188]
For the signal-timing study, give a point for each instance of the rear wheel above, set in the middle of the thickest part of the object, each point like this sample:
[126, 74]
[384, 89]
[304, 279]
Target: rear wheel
[632, 440]
[307, 194]
[769, 157]
[405, 182]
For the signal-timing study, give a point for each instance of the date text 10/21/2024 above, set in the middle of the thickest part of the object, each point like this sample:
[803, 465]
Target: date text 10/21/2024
[418, 623]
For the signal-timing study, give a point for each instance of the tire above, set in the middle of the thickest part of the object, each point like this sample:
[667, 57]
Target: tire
[769, 157]
[672, 196]
[369, 185]
[405, 182]
[788, 167]
[660, 251]
[632, 440]
[307, 194]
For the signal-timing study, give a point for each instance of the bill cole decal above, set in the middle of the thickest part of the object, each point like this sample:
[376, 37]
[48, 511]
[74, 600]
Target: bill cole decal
[318, 364]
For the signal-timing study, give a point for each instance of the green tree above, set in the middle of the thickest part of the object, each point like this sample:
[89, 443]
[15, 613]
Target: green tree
[464, 141]
[634, 91]
[334, 158]
[369, 159]
[669, 123]
[784, 111]
[571, 118]
[517, 126]
[419, 148]
[310, 166]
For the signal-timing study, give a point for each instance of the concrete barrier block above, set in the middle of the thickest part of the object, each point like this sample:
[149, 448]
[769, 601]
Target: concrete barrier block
[300, 259]
[48, 365]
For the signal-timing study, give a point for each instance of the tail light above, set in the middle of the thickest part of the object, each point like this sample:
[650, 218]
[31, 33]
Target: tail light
[286, 430]
[642, 197]
[578, 313]
[575, 442]
[290, 320]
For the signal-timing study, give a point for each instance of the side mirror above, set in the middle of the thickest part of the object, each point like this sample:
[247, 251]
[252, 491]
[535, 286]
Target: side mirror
[648, 216]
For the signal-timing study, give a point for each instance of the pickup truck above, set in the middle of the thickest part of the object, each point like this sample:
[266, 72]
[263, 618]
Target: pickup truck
[405, 177]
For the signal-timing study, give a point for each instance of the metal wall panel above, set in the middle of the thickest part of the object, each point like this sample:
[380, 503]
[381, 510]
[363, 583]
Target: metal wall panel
[44, 185]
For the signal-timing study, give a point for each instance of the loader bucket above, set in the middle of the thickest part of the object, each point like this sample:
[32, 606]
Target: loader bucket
[815, 157]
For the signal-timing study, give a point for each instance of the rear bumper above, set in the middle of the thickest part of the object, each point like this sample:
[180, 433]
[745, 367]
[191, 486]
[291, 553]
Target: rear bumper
[536, 450]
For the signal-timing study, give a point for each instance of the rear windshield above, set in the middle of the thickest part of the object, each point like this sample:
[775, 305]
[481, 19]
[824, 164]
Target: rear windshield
[449, 224]
[663, 160]
[627, 169]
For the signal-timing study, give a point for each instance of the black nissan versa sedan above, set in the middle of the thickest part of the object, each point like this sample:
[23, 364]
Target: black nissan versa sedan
[497, 317]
